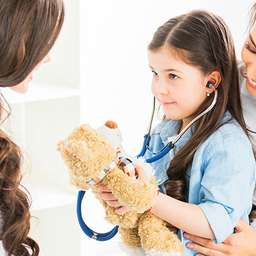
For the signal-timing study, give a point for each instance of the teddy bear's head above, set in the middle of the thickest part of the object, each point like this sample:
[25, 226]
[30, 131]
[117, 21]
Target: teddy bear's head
[87, 152]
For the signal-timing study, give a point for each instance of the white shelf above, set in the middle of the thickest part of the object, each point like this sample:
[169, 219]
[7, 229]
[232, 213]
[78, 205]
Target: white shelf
[38, 92]
[44, 198]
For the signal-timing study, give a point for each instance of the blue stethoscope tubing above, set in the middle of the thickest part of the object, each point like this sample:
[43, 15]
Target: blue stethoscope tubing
[108, 235]
[89, 232]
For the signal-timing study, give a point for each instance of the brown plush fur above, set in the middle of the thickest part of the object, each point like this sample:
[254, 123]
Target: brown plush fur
[86, 154]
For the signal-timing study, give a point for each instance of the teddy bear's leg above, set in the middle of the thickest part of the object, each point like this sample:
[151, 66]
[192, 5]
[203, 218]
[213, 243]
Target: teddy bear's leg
[130, 241]
[156, 239]
[130, 236]
[127, 220]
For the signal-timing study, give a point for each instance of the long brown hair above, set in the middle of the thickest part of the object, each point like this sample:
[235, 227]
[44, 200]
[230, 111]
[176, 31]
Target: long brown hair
[201, 39]
[28, 30]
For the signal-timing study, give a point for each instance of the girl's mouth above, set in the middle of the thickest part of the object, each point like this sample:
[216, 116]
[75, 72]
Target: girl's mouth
[170, 103]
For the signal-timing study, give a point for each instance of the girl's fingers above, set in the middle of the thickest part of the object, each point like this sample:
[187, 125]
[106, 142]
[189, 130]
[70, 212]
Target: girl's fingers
[110, 198]
[142, 177]
[104, 188]
[107, 196]
[113, 203]
[122, 210]
[140, 170]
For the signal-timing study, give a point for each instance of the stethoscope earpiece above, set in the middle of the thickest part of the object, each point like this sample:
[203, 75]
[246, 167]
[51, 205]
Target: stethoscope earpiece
[209, 84]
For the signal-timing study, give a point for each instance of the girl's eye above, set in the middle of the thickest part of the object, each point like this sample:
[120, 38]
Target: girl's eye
[154, 73]
[248, 47]
[173, 77]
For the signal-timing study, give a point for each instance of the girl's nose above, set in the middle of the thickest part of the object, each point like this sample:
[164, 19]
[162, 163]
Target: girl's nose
[162, 87]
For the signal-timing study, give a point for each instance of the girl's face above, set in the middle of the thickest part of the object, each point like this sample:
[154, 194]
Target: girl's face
[179, 88]
[23, 86]
[249, 58]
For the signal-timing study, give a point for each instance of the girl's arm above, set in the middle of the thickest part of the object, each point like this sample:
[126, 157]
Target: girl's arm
[185, 216]
[225, 190]
[241, 243]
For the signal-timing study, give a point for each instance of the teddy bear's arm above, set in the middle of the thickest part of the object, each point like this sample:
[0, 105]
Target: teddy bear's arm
[137, 196]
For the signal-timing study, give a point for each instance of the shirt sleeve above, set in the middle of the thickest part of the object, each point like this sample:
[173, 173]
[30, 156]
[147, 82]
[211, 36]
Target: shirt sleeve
[227, 184]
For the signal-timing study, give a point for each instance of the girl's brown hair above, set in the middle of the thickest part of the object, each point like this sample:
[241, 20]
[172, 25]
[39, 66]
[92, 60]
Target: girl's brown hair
[28, 30]
[201, 39]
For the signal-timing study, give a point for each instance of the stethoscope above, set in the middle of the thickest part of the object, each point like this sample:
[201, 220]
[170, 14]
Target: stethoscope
[165, 150]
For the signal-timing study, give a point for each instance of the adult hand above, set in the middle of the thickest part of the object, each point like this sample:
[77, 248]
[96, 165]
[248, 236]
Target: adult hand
[111, 199]
[241, 243]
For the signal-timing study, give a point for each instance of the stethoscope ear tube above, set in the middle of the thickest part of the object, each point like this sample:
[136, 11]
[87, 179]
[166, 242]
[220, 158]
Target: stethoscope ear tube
[144, 147]
[90, 233]
[163, 152]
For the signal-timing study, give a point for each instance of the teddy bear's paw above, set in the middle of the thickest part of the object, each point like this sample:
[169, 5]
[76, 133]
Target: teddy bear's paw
[131, 251]
[156, 253]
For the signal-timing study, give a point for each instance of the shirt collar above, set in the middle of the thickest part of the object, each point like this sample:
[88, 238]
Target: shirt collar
[170, 129]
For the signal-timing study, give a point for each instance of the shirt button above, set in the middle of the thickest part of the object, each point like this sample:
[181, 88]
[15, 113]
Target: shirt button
[165, 134]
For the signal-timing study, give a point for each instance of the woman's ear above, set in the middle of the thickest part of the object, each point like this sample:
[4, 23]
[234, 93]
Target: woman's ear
[214, 80]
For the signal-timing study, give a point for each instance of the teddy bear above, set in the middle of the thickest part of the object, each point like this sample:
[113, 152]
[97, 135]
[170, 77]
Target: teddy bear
[95, 157]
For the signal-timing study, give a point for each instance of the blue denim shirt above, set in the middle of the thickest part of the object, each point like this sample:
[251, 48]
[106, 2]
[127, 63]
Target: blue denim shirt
[221, 178]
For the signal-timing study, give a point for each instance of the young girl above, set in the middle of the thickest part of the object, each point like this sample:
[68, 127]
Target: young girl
[28, 30]
[211, 174]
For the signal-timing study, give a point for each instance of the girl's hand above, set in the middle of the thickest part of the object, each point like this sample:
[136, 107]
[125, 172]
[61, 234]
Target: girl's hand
[241, 243]
[110, 198]
[142, 177]
[112, 201]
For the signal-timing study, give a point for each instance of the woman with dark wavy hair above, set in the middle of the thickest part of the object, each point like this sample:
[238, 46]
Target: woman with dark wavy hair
[28, 30]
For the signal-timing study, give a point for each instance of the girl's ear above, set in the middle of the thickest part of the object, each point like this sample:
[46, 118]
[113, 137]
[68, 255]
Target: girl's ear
[214, 79]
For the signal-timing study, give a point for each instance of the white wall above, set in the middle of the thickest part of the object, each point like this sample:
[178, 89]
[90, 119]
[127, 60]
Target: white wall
[115, 74]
